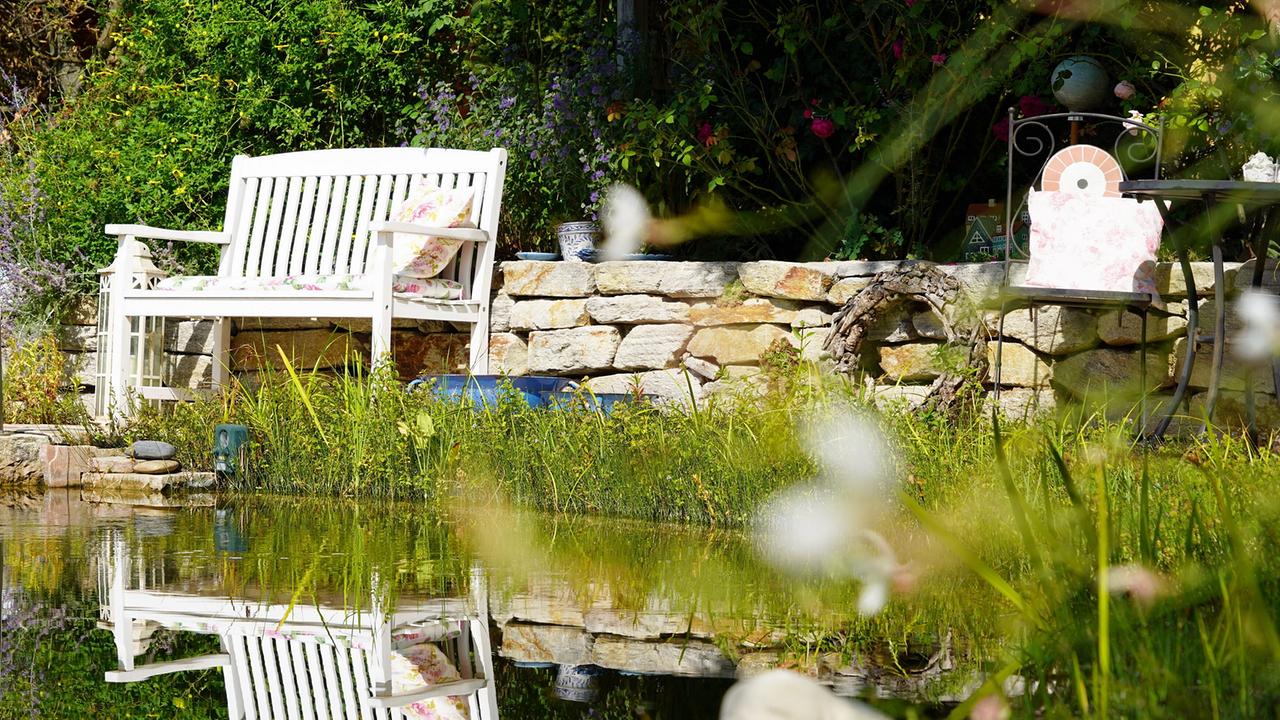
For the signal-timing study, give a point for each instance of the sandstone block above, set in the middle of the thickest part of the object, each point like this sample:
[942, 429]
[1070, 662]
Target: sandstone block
[446, 352]
[500, 313]
[1106, 370]
[21, 459]
[508, 354]
[702, 368]
[1019, 366]
[795, 281]
[190, 337]
[979, 282]
[651, 347]
[750, 311]
[1172, 284]
[1052, 329]
[64, 464]
[188, 371]
[112, 464]
[736, 344]
[1024, 404]
[156, 467]
[893, 325]
[304, 348]
[77, 338]
[562, 645]
[548, 279]
[548, 314]
[1122, 327]
[913, 362]
[574, 349]
[142, 483]
[813, 341]
[1235, 372]
[899, 397]
[927, 325]
[79, 368]
[811, 317]
[673, 279]
[845, 288]
[84, 311]
[864, 268]
[636, 309]
[671, 385]
[691, 658]
[270, 323]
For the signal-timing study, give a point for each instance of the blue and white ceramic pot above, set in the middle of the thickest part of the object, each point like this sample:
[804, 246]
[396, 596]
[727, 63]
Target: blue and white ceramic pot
[577, 239]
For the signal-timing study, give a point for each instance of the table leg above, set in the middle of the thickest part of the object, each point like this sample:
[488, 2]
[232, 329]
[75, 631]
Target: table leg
[1219, 330]
[1193, 321]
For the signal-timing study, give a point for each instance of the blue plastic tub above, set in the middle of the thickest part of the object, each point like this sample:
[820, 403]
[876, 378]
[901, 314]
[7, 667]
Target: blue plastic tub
[604, 402]
[483, 390]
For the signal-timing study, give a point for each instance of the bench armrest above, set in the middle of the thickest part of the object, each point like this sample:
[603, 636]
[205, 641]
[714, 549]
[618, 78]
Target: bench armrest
[155, 233]
[142, 672]
[457, 687]
[465, 234]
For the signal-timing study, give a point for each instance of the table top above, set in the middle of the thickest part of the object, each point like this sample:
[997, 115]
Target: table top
[1237, 191]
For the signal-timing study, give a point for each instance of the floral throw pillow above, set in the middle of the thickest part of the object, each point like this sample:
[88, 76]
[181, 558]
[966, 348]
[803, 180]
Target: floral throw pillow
[1091, 242]
[422, 666]
[424, 256]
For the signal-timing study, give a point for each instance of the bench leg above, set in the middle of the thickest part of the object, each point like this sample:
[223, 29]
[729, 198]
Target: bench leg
[381, 341]
[479, 361]
[221, 353]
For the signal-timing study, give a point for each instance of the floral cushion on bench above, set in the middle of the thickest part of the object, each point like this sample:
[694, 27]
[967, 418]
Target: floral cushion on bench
[421, 666]
[428, 288]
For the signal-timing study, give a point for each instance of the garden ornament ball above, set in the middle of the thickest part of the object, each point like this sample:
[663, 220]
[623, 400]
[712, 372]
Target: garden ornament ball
[1080, 83]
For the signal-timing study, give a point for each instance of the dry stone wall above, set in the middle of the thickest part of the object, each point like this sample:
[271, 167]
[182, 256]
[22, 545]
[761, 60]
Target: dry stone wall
[689, 330]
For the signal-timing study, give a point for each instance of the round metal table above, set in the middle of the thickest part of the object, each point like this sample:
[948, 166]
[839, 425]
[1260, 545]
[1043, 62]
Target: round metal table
[1258, 201]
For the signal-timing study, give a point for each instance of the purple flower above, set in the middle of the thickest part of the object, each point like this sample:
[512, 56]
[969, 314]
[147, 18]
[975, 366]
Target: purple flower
[506, 103]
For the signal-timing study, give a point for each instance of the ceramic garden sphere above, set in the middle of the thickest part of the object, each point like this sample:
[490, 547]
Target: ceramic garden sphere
[1080, 83]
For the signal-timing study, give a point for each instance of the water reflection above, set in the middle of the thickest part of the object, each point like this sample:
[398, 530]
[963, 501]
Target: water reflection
[571, 617]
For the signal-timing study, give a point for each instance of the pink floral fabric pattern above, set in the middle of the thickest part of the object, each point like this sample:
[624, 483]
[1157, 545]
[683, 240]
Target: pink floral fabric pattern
[422, 666]
[407, 287]
[424, 256]
[1090, 242]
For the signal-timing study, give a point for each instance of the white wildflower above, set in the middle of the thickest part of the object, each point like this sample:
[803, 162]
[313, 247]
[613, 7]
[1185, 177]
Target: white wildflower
[1138, 582]
[804, 529]
[626, 220]
[784, 695]
[1259, 337]
[852, 452]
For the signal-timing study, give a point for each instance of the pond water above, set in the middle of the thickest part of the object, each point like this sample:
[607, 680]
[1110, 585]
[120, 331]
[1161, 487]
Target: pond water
[587, 617]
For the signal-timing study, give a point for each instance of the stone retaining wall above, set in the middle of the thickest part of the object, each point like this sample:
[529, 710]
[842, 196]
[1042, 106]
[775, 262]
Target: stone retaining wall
[686, 330]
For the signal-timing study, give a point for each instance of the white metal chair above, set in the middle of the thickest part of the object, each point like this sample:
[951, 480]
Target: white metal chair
[314, 213]
[307, 662]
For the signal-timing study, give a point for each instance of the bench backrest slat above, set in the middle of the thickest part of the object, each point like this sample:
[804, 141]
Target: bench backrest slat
[311, 212]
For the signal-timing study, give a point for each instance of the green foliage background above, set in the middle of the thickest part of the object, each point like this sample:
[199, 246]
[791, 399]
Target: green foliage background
[707, 104]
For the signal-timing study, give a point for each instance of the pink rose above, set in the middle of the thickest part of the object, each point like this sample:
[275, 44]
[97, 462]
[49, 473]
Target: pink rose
[1125, 90]
[938, 58]
[897, 49]
[1032, 105]
[910, 3]
[1001, 130]
[705, 133]
[823, 127]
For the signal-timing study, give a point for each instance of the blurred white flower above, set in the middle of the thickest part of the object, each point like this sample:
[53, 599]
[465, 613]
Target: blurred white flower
[788, 695]
[804, 529]
[1138, 582]
[1259, 337]
[851, 450]
[873, 597]
[991, 707]
[625, 216]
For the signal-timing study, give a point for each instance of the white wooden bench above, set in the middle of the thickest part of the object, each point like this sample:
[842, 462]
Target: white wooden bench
[316, 213]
